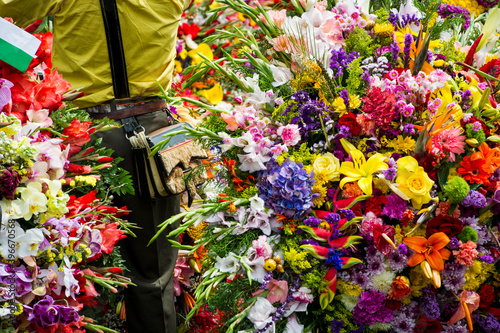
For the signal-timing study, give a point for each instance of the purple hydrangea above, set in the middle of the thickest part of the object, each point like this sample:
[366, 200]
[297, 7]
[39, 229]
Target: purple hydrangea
[287, 188]
[371, 309]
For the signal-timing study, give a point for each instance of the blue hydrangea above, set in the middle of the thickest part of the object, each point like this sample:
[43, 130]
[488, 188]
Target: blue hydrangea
[287, 189]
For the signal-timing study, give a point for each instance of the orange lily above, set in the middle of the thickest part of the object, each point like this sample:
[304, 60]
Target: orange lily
[431, 249]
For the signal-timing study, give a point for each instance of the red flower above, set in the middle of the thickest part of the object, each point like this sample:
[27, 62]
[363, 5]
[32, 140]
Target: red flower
[78, 133]
[77, 205]
[110, 236]
[381, 242]
[487, 294]
[380, 107]
[426, 325]
[473, 170]
[442, 223]
[349, 120]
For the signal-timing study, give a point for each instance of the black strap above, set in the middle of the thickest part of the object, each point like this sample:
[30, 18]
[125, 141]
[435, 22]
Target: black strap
[115, 48]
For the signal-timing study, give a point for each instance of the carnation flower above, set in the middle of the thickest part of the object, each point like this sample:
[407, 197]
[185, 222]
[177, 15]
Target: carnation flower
[467, 253]
[290, 134]
[371, 309]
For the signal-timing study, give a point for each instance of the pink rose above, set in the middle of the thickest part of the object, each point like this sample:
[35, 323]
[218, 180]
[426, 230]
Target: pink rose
[278, 291]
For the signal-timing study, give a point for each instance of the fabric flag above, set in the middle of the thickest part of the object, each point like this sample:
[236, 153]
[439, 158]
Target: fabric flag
[17, 47]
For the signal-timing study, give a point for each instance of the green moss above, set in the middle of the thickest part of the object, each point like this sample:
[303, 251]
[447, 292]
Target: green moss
[359, 40]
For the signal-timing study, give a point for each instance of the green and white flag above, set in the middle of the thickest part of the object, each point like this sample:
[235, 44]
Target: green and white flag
[17, 47]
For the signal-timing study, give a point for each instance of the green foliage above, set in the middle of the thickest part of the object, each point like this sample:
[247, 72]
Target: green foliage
[382, 15]
[302, 155]
[456, 189]
[222, 247]
[249, 192]
[354, 81]
[447, 48]
[429, 9]
[478, 135]
[314, 280]
[359, 40]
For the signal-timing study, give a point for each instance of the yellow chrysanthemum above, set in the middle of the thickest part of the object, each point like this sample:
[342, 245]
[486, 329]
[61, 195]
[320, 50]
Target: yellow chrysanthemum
[339, 107]
[402, 144]
[383, 30]
[321, 190]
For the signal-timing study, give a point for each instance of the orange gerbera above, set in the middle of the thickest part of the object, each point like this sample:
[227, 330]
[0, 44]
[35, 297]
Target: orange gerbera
[431, 249]
[474, 169]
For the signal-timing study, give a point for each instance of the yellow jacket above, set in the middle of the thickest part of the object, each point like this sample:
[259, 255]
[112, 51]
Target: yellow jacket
[149, 32]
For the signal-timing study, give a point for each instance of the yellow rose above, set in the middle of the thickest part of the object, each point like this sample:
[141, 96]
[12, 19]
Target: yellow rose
[327, 167]
[413, 181]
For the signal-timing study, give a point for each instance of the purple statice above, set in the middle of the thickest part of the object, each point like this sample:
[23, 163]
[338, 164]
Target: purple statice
[403, 323]
[365, 77]
[474, 199]
[267, 278]
[348, 214]
[429, 304]
[308, 112]
[345, 96]
[308, 242]
[465, 97]
[430, 56]
[395, 206]
[340, 60]
[486, 258]
[453, 276]
[398, 260]
[371, 309]
[337, 326]
[390, 173]
[332, 218]
[287, 188]
[488, 323]
[407, 48]
[447, 10]
[312, 221]
[487, 4]
[9, 181]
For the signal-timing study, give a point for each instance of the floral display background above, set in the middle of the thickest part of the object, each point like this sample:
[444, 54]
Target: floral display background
[354, 172]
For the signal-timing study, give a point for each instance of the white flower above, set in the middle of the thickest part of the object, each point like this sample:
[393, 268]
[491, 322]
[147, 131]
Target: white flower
[229, 264]
[281, 75]
[260, 313]
[28, 242]
[349, 301]
[382, 282]
[33, 201]
[253, 162]
[257, 203]
[256, 263]
[293, 326]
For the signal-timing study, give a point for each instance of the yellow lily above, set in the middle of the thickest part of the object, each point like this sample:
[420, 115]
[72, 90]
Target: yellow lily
[214, 95]
[360, 169]
[203, 49]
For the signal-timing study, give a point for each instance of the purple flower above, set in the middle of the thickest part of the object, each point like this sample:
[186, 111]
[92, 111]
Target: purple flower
[5, 94]
[9, 180]
[395, 206]
[403, 323]
[345, 96]
[447, 10]
[287, 188]
[407, 47]
[429, 304]
[453, 276]
[340, 60]
[398, 260]
[312, 221]
[371, 309]
[67, 315]
[488, 323]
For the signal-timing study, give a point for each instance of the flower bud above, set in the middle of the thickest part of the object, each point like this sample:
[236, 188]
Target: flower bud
[490, 113]
[277, 258]
[472, 142]
[436, 279]
[427, 269]
[270, 265]
[280, 269]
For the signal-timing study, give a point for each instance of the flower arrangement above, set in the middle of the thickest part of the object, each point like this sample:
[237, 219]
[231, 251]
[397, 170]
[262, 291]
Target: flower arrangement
[355, 168]
[59, 227]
